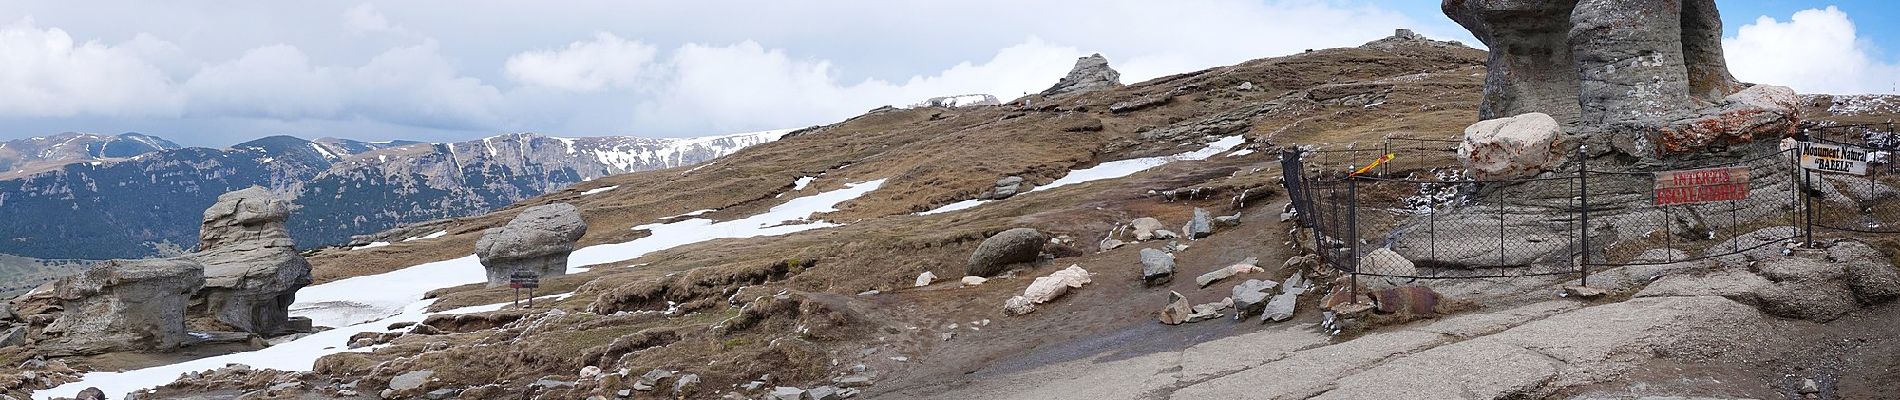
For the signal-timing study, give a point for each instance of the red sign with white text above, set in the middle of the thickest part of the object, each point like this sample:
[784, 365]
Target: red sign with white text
[1701, 185]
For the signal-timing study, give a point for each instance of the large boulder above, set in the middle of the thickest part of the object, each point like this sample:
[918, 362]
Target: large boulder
[1006, 187]
[1647, 77]
[538, 241]
[1198, 226]
[251, 267]
[1047, 288]
[1512, 148]
[1090, 73]
[118, 305]
[1157, 267]
[1250, 297]
[1145, 227]
[1177, 310]
[997, 253]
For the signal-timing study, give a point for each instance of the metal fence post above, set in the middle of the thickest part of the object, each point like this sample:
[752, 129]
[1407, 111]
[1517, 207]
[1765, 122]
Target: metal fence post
[1583, 216]
[1352, 232]
[1807, 189]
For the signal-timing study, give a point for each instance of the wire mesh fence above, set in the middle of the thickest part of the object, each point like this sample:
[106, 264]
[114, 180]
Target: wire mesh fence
[1427, 219]
[1861, 199]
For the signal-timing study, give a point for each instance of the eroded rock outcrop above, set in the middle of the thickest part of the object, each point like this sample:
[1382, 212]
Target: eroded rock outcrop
[1090, 73]
[538, 241]
[1647, 77]
[119, 305]
[252, 270]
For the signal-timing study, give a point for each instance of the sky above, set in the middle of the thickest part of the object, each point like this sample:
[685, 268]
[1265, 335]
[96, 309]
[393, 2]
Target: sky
[218, 72]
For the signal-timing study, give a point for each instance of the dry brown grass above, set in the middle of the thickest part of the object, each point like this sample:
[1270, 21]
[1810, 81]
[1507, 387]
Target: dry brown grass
[931, 157]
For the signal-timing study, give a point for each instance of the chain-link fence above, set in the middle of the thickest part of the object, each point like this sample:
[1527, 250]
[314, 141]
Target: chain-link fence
[1860, 198]
[1427, 219]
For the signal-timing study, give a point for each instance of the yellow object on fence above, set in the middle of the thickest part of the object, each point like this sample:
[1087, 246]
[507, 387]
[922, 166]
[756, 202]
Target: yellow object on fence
[1374, 164]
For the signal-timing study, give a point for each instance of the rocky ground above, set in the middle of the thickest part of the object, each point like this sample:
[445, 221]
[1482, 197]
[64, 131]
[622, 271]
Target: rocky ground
[836, 312]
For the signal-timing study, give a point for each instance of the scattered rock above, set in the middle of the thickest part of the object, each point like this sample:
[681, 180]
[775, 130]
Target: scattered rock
[1145, 228]
[1384, 261]
[1111, 244]
[1199, 226]
[14, 336]
[91, 393]
[973, 280]
[924, 279]
[538, 240]
[823, 393]
[1207, 311]
[1165, 234]
[1227, 220]
[787, 393]
[1216, 275]
[252, 270]
[1280, 307]
[1045, 289]
[1177, 310]
[1012, 246]
[651, 379]
[1006, 187]
[1157, 267]
[441, 394]
[1809, 386]
[1250, 297]
[1090, 73]
[1512, 148]
[1244, 86]
[410, 380]
[854, 380]
[589, 372]
[1582, 292]
[686, 385]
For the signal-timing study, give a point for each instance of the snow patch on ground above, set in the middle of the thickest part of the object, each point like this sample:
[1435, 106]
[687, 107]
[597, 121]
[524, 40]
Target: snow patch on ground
[773, 222]
[1112, 170]
[598, 190]
[371, 245]
[802, 182]
[437, 234]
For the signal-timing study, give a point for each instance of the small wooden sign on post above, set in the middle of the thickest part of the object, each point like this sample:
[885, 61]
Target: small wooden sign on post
[522, 279]
[1701, 185]
[1836, 158]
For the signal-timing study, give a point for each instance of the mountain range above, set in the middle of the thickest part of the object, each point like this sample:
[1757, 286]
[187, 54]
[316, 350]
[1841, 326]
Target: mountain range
[93, 196]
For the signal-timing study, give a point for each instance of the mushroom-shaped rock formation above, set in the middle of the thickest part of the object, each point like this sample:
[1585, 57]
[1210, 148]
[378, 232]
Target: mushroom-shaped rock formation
[251, 267]
[536, 241]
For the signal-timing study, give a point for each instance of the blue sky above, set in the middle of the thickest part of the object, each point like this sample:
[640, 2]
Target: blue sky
[213, 73]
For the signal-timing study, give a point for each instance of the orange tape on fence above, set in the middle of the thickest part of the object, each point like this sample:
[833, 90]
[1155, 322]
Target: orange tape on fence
[1374, 164]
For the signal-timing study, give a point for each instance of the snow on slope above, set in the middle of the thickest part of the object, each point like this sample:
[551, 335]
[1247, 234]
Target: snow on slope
[372, 302]
[1111, 170]
[672, 154]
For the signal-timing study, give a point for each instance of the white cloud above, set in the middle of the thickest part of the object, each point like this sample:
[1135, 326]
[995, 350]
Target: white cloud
[273, 81]
[746, 86]
[584, 66]
[409, 85]
[363, 18]
[44, 73]
[1815, 51]
[669, 69]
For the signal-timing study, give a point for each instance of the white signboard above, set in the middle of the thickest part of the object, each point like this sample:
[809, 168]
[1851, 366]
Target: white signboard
[1834, 158]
